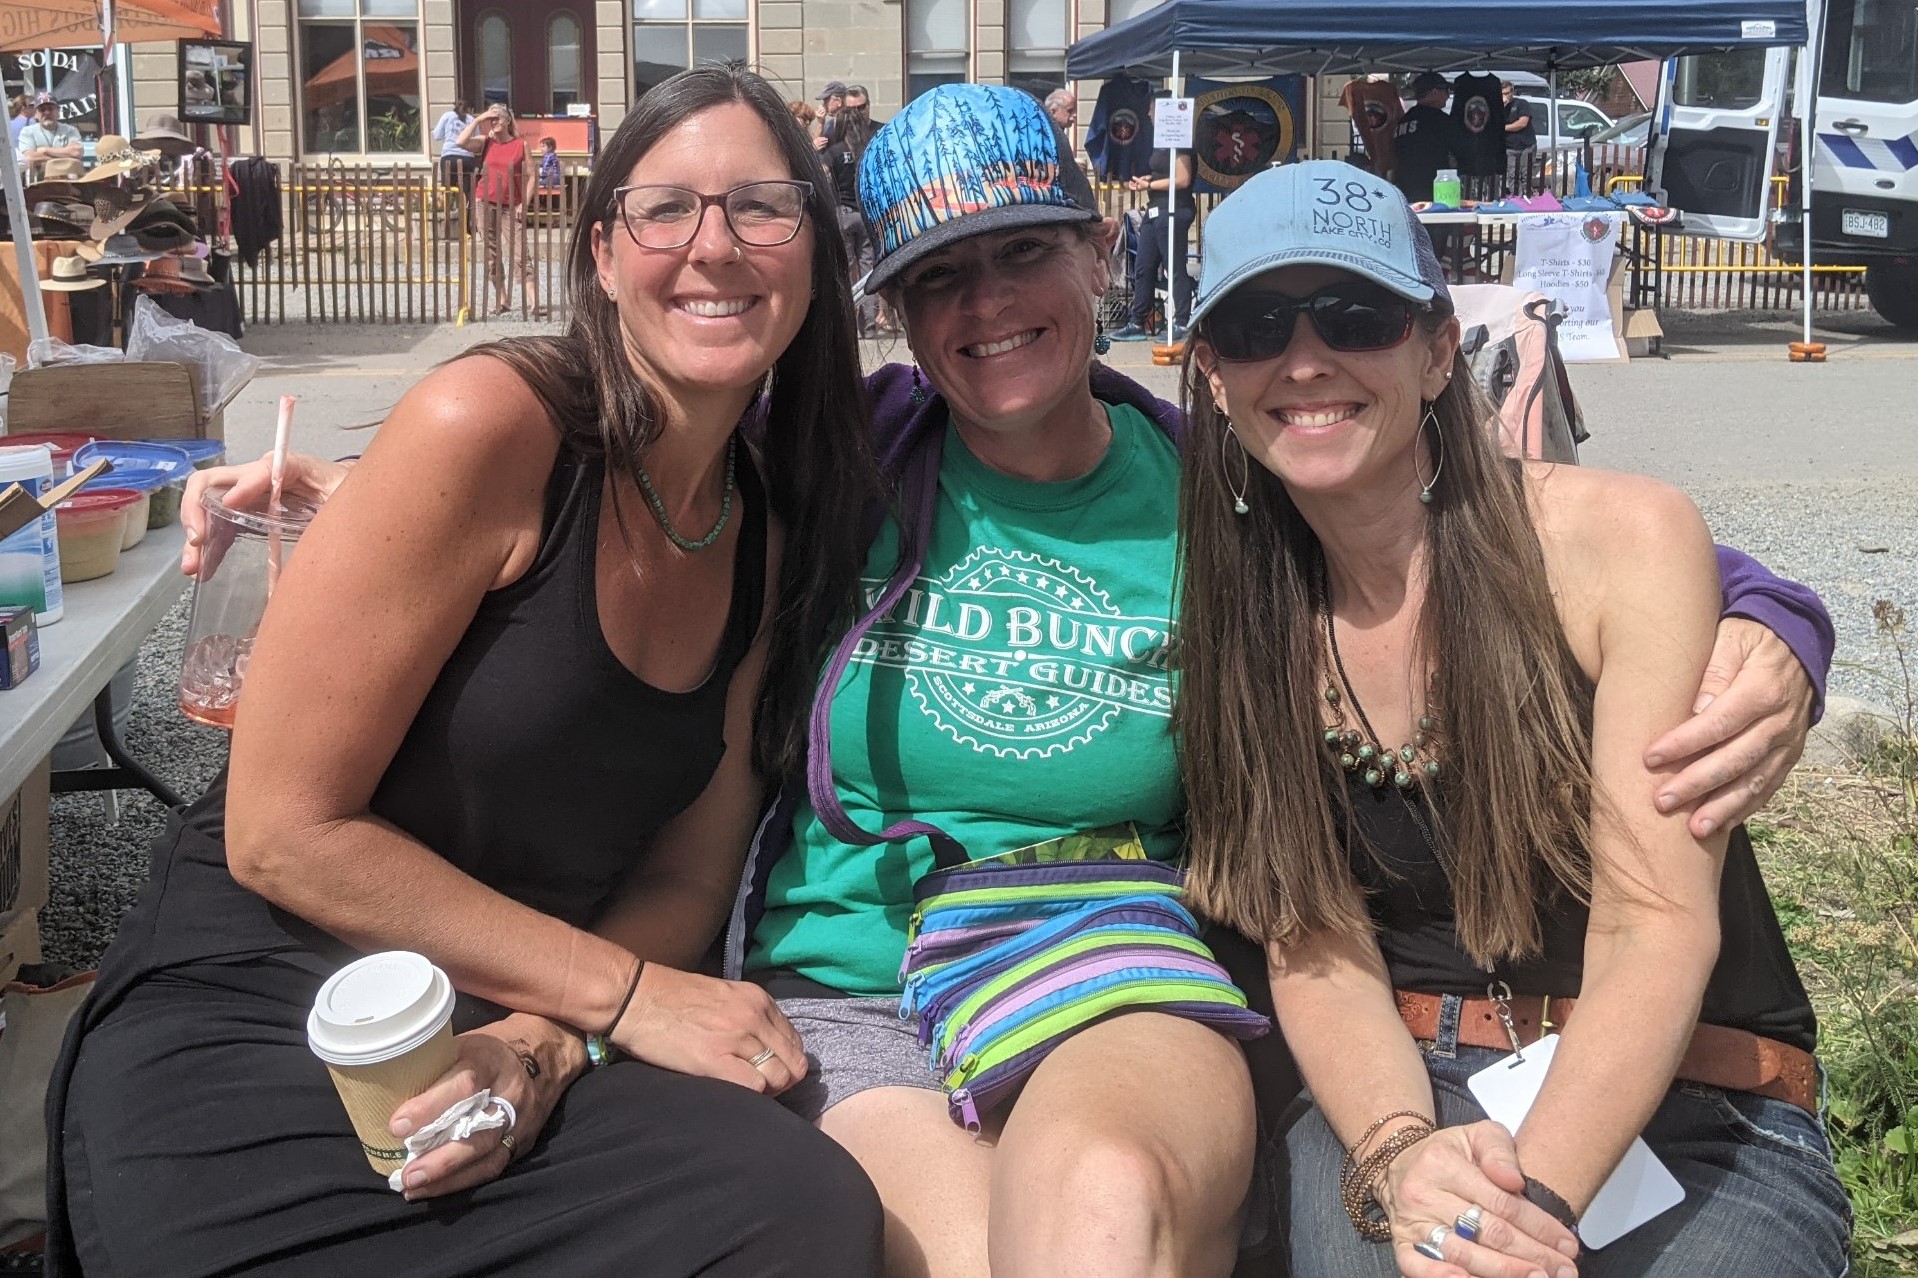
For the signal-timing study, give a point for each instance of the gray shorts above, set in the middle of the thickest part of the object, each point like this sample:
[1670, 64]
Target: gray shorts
[853, 1045]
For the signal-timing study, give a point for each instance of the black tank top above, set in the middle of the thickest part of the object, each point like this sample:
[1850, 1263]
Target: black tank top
[538, 764]
[1754, 985]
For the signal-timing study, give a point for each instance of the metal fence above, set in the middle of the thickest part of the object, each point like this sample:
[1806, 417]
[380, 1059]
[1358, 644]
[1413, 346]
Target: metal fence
[367, 245]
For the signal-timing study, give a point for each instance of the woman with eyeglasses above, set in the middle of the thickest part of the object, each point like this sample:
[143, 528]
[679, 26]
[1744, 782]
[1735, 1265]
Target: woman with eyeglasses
[513, 696]
[1420, 683]
[1017, 692]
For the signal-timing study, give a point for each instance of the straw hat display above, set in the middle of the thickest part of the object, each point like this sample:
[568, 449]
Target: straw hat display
[117, 158]
[69, 275]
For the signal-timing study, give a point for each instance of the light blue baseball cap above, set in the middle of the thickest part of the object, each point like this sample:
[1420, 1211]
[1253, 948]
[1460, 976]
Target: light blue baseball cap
[1318, 213]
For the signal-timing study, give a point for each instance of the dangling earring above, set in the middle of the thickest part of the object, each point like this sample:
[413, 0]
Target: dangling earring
[918, 387]
[1438, 445]
[766, 387]
[1100, 342]
[1245, 468]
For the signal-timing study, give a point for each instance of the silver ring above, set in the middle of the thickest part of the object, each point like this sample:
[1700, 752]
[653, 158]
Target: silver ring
[762, 1058]
[1434, 1245]
[1468, 1222]
[1428, 1251]
[508, 1142]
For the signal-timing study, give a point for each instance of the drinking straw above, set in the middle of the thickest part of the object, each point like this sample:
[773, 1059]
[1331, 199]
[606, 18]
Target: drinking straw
[281, 434]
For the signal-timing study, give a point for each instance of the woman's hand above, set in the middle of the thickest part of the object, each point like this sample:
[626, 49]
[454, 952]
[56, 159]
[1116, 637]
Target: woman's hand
[702, 1025]
[1747, 729]
[493, 1057]
[306, 479]
[1441, 1178]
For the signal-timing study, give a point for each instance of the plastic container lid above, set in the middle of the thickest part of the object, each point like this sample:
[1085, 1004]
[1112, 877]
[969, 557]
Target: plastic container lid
[133, 453]
[96, 501]
[35, 461]
[377, 1008]
[64, 444]
[139, 478]
[200, 450]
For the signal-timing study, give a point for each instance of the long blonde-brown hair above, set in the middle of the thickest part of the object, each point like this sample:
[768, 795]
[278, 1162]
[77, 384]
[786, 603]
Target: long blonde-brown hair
[1267, 804]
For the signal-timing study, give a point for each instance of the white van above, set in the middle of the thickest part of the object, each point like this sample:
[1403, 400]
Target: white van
[1715, 149]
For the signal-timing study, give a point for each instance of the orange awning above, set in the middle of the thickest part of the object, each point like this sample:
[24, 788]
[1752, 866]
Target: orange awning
[53, 24]
[392, 69]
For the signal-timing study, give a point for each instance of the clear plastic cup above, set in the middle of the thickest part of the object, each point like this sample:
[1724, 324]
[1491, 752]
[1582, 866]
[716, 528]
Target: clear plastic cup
[240, 560]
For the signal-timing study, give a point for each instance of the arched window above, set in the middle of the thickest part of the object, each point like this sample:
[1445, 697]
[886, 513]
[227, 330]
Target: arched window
[562, 61]
[495, 60]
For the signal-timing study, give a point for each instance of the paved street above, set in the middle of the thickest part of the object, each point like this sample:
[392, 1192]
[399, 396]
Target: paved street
[1813, 468]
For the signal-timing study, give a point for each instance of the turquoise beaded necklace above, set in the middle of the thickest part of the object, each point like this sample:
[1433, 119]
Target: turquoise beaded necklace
[659, 507]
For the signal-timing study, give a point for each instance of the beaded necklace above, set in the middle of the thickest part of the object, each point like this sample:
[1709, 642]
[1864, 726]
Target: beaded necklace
[659, 507]
[1365, 753]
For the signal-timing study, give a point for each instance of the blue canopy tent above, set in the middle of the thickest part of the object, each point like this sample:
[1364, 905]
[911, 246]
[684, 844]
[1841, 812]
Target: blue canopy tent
[1343, 37]
[1224, 39]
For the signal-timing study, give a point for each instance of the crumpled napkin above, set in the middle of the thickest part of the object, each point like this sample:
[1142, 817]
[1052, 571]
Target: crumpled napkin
[480, 1112]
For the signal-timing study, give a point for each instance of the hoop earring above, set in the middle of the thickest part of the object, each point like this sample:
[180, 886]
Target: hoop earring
[1245, 468]
[1438, 438]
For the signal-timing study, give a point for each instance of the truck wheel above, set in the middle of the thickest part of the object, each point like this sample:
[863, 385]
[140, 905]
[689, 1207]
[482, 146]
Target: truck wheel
[1893, 290]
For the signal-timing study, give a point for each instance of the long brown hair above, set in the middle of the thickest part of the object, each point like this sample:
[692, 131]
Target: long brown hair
[813, 430]
[1267, 804]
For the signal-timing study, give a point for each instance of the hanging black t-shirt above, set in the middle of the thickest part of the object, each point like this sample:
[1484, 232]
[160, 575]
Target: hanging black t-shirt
[1524, 138]
[1478, 107]
[1427, 140]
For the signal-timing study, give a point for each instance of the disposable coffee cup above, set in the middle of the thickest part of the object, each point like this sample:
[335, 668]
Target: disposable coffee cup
[383, 1026]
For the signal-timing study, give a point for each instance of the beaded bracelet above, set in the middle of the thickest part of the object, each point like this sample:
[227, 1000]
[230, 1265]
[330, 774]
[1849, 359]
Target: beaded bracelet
[1356, 1183]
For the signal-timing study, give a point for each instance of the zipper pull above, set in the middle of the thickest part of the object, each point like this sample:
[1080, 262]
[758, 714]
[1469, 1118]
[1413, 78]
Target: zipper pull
[968, 1112]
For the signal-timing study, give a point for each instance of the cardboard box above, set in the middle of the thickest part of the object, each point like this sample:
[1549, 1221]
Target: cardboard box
[19, 943]
[23, 844]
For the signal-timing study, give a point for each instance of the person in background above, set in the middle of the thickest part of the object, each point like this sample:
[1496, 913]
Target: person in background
[19, 115]
[857, 99]
[46, 138]
[500, 197]
[1063, 106]
[550, 175]
[1149, 256]
[1521, 136]
[807, 114]
[1427, 139]
[832, 99]
[841, 158]
[456, 162]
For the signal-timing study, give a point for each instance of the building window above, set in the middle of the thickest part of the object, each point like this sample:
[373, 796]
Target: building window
[360, 76]
[936, 44]
[495, 42]
[671, 35]
[1118, 11]
[1037, 33]
[562, 61]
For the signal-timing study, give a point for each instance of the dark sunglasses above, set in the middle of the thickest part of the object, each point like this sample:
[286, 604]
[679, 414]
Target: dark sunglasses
[1349, 317]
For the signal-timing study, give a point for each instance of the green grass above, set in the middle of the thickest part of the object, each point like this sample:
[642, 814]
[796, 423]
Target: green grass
[1840, 855]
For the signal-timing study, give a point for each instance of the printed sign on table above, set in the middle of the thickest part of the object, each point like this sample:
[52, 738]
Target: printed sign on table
[1568, 257]
[1172, 123]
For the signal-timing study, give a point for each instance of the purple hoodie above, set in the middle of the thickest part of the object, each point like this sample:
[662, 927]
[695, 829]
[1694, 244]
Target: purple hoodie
[903, 429]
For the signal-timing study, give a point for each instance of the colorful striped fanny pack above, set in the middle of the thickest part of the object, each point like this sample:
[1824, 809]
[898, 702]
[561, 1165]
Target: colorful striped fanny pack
[1005, 961]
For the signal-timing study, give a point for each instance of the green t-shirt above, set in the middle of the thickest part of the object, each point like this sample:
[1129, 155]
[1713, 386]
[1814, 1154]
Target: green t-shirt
[1019, 692]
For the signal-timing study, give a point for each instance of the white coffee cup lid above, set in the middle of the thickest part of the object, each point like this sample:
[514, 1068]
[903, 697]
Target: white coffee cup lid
[377, 1008]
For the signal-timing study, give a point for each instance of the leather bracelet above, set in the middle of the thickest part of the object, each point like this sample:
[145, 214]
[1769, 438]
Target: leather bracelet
[1549, 1201]
[639, 970]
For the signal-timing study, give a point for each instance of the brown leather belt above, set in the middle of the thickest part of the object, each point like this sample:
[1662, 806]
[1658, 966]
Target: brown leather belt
[1733, 1059]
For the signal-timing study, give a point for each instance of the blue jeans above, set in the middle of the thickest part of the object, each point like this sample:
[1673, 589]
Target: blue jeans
[1761, 1196]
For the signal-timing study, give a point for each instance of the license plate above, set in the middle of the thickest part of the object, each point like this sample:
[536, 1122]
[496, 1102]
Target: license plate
[1864, 222]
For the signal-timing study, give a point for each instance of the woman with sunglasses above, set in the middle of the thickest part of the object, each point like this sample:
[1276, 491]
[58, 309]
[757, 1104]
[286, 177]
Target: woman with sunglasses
[1038, 452]
[512, 699]
[1419, 680]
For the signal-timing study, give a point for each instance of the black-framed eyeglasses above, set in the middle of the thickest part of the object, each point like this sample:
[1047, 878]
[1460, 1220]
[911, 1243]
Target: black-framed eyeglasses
[1350, 317]
[761, 214]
